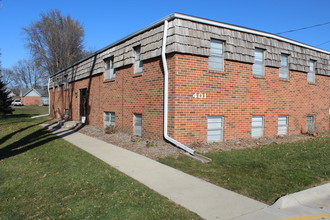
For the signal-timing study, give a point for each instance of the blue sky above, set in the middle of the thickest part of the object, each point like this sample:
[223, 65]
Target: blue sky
[108, 21]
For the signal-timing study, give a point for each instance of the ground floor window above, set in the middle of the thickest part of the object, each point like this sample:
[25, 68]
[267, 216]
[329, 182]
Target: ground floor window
[214, 128]
[138, 125]
[310, 123]
[109, 119]
[66, 114]
[257, 126]
[282, 128]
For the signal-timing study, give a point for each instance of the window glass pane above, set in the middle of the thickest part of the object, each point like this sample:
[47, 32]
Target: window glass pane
[138, 125]
[311, 72]
[216, 59]
[257, 126]
[310, 123]
[258, 66]
[214, 128]
[282, 125]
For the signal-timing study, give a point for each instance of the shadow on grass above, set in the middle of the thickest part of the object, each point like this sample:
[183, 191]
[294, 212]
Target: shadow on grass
[8, 136]
[33, 140]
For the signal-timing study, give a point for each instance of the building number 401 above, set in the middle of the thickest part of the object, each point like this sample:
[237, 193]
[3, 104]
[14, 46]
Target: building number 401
[199, 95]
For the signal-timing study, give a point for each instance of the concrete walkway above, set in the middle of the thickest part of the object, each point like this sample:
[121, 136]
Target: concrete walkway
[207, 200]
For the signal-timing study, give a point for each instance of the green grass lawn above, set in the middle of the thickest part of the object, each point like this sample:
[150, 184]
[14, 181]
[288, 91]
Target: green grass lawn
[45, 177]
[264, 173]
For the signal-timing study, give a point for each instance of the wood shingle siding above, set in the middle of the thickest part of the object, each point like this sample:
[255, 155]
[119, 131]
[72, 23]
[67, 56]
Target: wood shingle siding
[190, 37]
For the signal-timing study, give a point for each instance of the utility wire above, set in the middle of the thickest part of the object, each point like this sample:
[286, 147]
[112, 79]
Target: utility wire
[317, 25]
[323, 43]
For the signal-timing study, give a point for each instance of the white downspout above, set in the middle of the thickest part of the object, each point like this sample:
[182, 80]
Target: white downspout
[178, 144]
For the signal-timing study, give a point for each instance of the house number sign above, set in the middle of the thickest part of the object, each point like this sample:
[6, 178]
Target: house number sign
[199, 95]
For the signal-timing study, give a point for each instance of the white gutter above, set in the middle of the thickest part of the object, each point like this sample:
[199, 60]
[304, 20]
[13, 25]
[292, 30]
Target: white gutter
[178, 144]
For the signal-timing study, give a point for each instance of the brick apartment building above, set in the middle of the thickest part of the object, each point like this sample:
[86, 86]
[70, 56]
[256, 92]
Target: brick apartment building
[198, 80]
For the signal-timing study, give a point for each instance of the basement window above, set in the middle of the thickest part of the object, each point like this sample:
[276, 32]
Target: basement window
[110, 72]
[214, 128]
[284, 69]
[257, 126]
[109, 119]
[216, 58]
[259, 64]
[138, 64]
[282, 128]
[310, 123]
[138, 125]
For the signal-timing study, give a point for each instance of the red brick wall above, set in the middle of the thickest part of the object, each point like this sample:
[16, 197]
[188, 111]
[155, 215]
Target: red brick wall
[31, 100]
[237, 95]
[126, 95]
[234, 94]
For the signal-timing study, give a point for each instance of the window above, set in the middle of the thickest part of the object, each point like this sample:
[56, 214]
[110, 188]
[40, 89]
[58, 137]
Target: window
[138, 125]
[282, 128]
[311, 71]
[284, 69]
[110, 72]
[109, 119]
[214, 128]
[66, 82]
[310, 123]
[216, 58]
[257, 126]
[258, 66]
[66, 114]
[138, 64]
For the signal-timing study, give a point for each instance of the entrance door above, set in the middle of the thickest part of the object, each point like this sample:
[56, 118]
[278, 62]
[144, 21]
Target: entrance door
[83, 104]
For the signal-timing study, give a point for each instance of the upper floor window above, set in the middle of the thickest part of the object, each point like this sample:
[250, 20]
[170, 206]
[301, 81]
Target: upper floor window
[66, 82]
[110, 72]
[311, 71]
[138, 64]
[259, 62]
[284, 69]
[216, 58]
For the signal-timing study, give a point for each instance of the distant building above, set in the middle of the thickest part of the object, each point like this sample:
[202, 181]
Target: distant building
[224, 82]
[34, 96]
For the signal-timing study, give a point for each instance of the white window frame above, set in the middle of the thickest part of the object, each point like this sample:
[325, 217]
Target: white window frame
[283, 125]
[258, 68]
[259, 127]
[138, 64]
[216, 58]
[110, 72]
[311, 71]
[138, 120]
[215, 125]
[310, 119]
[109, 119]
[284, 69]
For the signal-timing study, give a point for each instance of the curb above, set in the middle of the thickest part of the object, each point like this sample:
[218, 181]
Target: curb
[296, 199]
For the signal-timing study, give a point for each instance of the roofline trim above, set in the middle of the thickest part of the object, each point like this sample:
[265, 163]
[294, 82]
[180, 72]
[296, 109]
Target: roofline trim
[199, 20]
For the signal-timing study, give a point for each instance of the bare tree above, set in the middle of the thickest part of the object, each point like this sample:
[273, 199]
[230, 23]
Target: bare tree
[27, 75]
[7, 76]
[55, 41]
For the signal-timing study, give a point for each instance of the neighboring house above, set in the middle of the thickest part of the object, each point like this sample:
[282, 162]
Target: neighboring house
[224, 82]
[34, 96]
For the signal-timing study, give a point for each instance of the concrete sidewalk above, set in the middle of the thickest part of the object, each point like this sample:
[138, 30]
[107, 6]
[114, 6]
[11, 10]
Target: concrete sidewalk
[207, 200]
